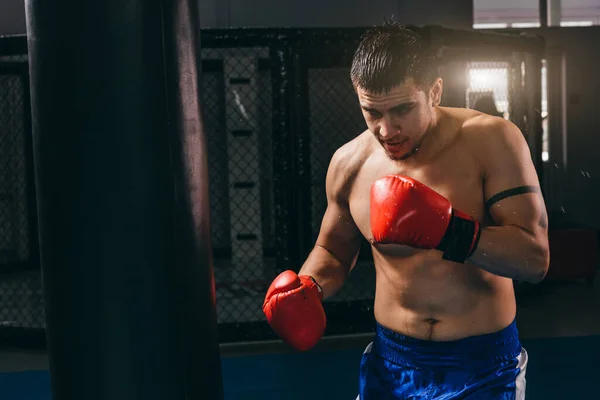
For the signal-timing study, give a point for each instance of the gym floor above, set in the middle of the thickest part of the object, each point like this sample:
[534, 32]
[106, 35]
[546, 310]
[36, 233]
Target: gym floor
[558, 322]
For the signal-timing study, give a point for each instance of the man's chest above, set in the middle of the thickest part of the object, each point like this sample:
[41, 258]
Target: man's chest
[459, 179]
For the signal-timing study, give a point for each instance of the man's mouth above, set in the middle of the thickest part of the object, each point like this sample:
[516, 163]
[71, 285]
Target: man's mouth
[395, 146]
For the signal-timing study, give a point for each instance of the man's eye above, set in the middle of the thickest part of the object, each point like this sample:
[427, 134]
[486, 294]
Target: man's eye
[402, 110]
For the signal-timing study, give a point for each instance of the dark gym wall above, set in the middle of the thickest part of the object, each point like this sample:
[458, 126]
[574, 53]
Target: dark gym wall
[306, 13]
[580, 183]
[12, 17]
[309, 13]
[339, 13]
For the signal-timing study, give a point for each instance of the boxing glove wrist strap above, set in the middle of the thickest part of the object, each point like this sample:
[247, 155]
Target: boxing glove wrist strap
[318, 286]
[461, 238]
[313, 284]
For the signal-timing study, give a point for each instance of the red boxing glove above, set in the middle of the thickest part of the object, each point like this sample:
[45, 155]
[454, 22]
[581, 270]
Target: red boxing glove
[404, 211]
[294, 310]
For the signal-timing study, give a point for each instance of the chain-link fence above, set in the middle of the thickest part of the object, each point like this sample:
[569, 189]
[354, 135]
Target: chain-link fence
[14, 240]
[21, 305]
[277, 104]
[237, 107]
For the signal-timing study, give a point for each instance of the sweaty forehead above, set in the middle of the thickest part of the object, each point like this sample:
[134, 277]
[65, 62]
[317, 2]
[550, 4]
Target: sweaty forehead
[405, 93]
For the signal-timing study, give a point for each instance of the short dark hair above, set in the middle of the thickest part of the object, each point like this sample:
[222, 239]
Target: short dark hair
[390, 54]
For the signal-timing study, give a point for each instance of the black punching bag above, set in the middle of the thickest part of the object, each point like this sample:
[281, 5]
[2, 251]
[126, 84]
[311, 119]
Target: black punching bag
[121, 174]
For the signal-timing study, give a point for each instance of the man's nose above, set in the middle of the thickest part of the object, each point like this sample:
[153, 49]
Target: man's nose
[388, 128]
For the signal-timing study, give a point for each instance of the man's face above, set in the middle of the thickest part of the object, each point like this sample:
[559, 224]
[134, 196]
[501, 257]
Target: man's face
[399, 118]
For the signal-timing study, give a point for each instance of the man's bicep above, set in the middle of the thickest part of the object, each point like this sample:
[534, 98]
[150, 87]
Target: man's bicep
[339, 234]
[511, 185]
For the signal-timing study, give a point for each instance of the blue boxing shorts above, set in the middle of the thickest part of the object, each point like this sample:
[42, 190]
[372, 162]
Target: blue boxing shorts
[486, 367]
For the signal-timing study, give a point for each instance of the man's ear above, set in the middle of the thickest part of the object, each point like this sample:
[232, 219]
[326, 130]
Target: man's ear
[436, 92]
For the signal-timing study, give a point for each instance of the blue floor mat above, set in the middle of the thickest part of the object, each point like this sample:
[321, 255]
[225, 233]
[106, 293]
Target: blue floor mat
[559, 368]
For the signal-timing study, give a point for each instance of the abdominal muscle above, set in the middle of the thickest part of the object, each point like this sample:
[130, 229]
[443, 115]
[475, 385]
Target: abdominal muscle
[422, 296]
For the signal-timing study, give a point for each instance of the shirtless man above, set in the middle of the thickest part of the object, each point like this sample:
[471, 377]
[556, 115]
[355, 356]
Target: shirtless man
[450, 201]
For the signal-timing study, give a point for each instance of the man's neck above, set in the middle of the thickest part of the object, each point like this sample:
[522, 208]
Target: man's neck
[432, 139]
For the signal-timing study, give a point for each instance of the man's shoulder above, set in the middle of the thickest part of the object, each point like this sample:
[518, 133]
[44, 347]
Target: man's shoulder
[347, 161]
[353, 154]
[494, 141]
[489, 132]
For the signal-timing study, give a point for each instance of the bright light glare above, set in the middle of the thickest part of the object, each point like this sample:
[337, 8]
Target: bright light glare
[576, 23]
[491, 25]
[487, 79]
[494, 80]
[525, 25]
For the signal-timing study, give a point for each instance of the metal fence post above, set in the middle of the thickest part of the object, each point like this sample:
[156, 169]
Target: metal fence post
[284, 177]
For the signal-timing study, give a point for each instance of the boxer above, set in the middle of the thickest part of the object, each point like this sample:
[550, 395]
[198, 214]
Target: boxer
[450, 201]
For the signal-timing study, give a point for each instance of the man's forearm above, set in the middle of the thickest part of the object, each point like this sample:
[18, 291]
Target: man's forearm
[329, 272]
[512, 252]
